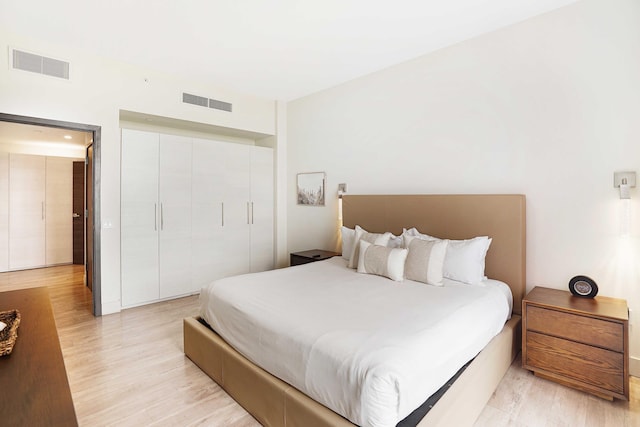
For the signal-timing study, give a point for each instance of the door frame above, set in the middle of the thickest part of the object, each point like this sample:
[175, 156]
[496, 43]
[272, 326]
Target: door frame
[96, 131]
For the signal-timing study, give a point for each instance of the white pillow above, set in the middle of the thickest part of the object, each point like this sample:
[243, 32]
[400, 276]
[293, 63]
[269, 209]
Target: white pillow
[464, 261]
[396, 241]
[348, 236]
[382, 261]
[413, 232]
[362, 234]
[425, 260]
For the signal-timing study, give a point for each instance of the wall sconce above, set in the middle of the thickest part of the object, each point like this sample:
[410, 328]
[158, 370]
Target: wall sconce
[624, 181]
[342, 188]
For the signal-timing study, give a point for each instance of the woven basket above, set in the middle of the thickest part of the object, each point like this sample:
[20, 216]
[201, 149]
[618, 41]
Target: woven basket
[9, 334]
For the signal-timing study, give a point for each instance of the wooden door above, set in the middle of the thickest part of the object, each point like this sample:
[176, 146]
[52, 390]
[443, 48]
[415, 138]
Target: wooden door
[26, 211]
[88, 215]
[78, 212]
[58, 211]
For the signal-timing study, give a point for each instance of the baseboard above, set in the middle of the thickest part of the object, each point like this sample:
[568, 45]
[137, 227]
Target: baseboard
[634, 366]
[111, 307]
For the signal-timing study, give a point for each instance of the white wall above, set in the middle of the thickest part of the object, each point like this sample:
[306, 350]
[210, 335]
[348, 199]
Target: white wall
[549, 107]
[98, 90]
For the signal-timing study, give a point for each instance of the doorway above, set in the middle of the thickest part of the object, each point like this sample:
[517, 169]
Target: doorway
[92, 252]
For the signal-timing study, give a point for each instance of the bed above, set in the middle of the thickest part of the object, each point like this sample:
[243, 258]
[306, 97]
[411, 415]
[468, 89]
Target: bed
[276, 403]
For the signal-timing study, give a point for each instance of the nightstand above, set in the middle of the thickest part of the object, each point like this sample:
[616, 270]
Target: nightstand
[578, 342]
[305, 257]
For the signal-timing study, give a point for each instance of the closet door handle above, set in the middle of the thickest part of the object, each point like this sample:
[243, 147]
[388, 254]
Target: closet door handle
[42, 208]
[161, 217]
[248, 213]
[222, 205]
[251, 213]
[155, 217]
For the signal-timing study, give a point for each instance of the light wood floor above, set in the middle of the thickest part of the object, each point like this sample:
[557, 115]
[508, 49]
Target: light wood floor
[128, 369]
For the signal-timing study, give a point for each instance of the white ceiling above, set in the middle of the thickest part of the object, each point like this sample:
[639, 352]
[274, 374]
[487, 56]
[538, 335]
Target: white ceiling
[15, 133]
[277, 49]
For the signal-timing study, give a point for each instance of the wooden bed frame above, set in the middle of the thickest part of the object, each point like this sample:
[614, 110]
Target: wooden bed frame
[503, 217]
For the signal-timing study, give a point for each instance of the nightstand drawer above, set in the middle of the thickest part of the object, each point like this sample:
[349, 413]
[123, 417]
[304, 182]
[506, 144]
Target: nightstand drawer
[589, 365]
[577, 328]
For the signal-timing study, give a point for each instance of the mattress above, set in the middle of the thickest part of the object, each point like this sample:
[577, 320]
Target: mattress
[364, 346]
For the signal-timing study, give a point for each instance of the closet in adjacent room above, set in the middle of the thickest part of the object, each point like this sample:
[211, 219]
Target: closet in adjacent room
[192, 210]
[36, 208]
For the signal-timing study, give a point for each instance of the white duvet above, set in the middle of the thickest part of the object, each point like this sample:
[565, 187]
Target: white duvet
[367, 347]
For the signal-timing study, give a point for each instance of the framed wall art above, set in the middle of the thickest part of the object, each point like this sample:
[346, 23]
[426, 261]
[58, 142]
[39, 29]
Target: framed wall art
[310, 188]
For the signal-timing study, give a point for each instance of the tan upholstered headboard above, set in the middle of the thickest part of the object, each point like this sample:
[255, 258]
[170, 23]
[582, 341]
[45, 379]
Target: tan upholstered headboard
[501, 217]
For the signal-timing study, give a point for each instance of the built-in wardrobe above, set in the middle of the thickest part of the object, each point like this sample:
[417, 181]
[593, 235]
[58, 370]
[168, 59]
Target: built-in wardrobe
[192, 211]
[36, 208]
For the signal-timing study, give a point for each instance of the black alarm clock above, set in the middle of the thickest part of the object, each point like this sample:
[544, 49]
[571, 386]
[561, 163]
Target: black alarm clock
[583, 286]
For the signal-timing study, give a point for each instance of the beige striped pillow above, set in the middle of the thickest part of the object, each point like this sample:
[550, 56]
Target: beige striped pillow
[425, 260]
[362, 234]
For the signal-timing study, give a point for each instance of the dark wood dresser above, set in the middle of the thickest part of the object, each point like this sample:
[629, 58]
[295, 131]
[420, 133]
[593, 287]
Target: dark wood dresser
[33, 379]
[579, 342]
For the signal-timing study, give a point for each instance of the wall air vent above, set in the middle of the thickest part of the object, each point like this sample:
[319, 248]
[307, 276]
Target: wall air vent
[195, 100]
[203, 101]
[39, 64]
[220, 105]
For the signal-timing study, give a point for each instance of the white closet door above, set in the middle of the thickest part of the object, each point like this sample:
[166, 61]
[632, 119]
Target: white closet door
[262, 216]
[237, 198]
[26, 211]
[59, 211]
[4, 211]
[208, 211]
[175, 216]
[139, 217]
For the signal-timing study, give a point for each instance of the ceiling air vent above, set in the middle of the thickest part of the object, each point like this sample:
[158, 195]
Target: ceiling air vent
[40, 64]
[203, 101]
